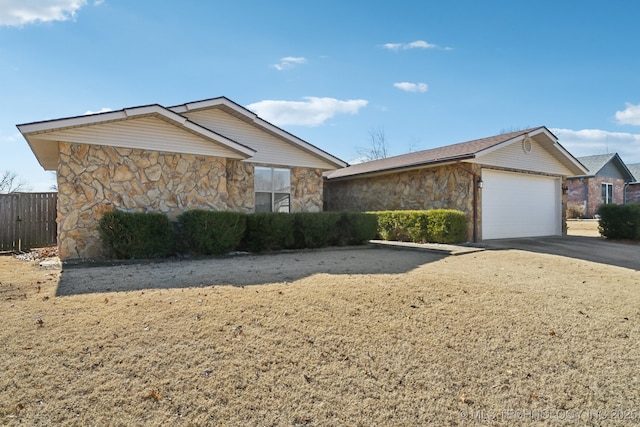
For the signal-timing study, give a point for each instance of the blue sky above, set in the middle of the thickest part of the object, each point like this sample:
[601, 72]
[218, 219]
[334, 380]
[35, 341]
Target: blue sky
[430, 73]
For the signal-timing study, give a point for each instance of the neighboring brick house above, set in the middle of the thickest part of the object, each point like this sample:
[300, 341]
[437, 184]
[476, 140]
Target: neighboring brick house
[633, 189]
[211, 154]
[605, 182]
[508, 185]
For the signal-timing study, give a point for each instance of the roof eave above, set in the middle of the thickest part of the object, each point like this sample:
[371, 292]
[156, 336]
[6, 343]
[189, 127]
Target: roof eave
[418, 165]
[570, 161]
[29, 130]
[249, 116]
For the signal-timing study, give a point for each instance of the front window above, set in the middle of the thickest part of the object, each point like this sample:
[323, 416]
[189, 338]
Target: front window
[607, 193]
[273, 188]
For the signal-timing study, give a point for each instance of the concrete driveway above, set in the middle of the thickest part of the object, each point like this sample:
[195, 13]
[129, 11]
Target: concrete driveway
[594, 249]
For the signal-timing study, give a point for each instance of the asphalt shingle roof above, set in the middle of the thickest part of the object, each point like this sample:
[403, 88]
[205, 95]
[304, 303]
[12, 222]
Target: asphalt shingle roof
[596, 162]
[635, 171]
[460, 151]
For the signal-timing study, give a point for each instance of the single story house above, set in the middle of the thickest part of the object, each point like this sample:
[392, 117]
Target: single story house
[509, 185]
[633, 188]
[211, 154]
[605, 182]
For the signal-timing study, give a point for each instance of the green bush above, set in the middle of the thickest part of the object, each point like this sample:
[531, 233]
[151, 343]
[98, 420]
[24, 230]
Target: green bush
[127, 235]
[434, 226]
[272, 231]
[404, 226]
[353, 228]
[446, 226]
[269, 231]
[619, 221]
[313, 229]
[212, 232]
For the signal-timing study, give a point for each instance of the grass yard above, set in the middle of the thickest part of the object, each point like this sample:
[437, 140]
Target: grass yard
[479, 339]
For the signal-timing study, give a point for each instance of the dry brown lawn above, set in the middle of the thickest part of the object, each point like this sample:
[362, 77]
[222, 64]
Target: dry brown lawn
[583, 227]
[490, 338]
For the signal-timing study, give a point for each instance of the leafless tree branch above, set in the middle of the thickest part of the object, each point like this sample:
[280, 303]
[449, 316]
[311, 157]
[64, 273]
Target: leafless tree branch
[377, 148]
[11, 183]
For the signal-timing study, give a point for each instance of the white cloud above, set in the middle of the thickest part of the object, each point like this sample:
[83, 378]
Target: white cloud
[418, 44]
[629, 116]
[20, 12]
[288, 62]
[11, 138]
[313, 111]
[587, 142]
[102, 110]
[412, 87]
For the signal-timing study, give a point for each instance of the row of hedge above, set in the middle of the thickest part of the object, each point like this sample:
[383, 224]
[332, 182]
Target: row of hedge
[435, 226]
[151, 235]
[619, 221]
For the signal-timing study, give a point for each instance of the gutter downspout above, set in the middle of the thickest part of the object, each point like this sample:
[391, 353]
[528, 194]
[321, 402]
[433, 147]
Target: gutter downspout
[477, 180]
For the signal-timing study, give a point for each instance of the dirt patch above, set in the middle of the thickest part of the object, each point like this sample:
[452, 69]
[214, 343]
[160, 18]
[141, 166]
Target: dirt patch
[345, 337]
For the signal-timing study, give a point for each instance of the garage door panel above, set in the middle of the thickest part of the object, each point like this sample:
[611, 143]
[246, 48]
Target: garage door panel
[519, 205]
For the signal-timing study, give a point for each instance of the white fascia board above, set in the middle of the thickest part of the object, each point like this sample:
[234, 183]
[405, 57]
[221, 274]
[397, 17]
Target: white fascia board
[153, 109]
[91, 119]
[257, 121]
[575, 162]
[57, 124]
[499, 146]
[299, 142]
[519, 138]
[232, 145]
[131, 113]
[213, 102]
[542, 130]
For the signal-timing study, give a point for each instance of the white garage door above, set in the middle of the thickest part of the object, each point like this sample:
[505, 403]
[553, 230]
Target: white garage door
[520, 205]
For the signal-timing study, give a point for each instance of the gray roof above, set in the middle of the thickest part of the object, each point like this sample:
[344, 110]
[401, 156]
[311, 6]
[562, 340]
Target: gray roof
[635, 171]
[455, 152]
[599, 162]
[596, 162]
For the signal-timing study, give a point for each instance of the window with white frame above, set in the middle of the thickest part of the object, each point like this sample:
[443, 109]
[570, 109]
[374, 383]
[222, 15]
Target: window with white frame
[272, 188]
[607, 193]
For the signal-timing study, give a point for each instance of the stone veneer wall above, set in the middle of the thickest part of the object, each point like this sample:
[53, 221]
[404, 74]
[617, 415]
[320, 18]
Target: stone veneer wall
[306, 190]
[94, 179]
[444, 187]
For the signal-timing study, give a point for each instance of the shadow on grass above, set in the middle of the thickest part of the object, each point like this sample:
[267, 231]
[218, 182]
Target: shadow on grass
[241, 270]
[594, 249]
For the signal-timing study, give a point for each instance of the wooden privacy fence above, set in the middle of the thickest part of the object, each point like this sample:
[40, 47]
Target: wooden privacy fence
[27, 220]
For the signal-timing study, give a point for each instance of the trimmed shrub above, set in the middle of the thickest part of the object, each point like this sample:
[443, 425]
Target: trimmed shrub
[313, 229]
[403, 226]
[434, 226]
[619, 221]
[212, 232]
[353, 228]
[269, 231]
[129, 235]
[272, 231]
[446, 226]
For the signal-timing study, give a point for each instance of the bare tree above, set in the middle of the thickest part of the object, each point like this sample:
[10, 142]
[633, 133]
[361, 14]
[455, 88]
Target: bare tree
[11, 183]
[377, 148]
[513, 129]
[414, 144]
